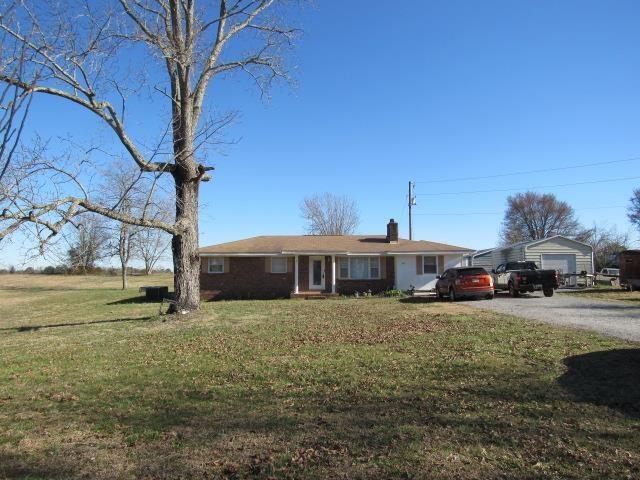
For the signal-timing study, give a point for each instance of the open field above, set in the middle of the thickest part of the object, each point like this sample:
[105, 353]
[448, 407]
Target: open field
[94, 384]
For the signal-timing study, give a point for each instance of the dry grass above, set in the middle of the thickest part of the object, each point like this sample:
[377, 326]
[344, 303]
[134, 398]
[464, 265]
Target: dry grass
[369, 388]
[607, 293]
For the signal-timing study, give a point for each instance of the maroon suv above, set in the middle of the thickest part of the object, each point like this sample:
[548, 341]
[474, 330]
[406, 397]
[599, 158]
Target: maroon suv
[461, 282]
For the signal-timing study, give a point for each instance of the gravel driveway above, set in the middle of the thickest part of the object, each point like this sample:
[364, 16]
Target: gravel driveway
[616, 319]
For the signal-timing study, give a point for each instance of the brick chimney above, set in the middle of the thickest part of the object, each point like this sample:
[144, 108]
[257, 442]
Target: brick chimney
[392, 231]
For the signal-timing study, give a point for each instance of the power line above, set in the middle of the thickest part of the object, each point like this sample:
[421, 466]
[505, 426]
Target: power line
[530, 188]
[438, 214]
[527, 172]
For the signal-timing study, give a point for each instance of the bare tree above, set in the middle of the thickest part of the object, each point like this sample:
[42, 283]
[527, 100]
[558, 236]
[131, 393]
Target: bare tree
[151, 246]
[14, 104]
[90, 244]
[93, 55]
[533, 216]
[633, 212]
[125, 190]
[329, 214]
[607, 243]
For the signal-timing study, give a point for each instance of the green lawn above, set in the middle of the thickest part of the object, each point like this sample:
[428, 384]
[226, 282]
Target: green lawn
[94, 384]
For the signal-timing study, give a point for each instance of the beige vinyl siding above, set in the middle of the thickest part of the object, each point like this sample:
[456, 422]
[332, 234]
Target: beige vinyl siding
[485, 260]
[533, 253]
[584, 259]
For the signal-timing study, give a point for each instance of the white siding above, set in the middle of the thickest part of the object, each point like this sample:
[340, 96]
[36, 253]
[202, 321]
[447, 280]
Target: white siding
[406, 275]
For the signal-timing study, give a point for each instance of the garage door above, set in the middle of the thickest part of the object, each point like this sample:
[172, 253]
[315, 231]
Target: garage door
[563, 263]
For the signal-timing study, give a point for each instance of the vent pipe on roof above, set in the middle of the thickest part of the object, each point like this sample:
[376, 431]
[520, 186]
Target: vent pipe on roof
[392, 231]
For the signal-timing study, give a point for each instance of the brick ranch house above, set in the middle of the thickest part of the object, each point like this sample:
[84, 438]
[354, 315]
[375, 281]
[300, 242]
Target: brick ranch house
[306, 265]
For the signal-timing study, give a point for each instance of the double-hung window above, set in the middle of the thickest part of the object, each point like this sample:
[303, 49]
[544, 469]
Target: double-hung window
[216, 264]
[278, 264]
[429, 264]
[344, 267]
[359, 268]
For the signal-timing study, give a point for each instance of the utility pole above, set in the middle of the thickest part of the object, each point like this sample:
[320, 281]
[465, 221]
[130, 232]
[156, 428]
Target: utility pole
[412, 202]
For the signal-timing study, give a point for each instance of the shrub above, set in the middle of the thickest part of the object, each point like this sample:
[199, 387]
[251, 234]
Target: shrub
[394, 293]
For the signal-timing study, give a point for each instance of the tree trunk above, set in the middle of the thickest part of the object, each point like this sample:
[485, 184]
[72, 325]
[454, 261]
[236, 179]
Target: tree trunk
[124, 277]
[186, 259]
[124, 243]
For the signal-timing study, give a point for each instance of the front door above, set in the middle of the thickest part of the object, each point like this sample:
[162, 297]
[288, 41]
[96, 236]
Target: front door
[316, 273]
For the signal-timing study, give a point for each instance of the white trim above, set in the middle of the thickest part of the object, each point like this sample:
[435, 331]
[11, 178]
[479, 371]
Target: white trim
[322, 275]
[342, 254]
[241, 254]
[333, 274]
[451, 252]
[348, 277]
[295, 276]
[286, 264]
[422, 263]
[209, 264]
[542, 240]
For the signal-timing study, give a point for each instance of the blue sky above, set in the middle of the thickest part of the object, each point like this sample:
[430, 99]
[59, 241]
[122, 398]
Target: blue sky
[440, 90]
[389, 92]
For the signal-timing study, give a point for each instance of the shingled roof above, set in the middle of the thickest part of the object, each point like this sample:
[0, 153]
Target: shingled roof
[330, 244]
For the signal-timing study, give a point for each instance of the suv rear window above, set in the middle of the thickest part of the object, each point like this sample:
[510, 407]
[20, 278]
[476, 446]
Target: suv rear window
[472, 271]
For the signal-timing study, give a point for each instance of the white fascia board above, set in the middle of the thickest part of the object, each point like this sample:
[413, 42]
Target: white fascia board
[347, 254]
[241, 254]
[427, 252]
[542, 240]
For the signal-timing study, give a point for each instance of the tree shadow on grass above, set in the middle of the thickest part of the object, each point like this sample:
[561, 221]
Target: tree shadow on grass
[22, 466]
[256, 432]
[133, 300]
[420, 299]
[33, 328]
[608, 378]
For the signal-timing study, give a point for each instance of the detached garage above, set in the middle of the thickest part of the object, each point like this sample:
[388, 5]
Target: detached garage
[557, 253]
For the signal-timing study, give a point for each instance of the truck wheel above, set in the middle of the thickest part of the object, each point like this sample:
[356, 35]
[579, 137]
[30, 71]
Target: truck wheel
[548, 292]
[490, 296]
[513, 292]
[452, 294]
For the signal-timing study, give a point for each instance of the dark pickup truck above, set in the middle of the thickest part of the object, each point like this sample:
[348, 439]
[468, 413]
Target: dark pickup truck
[521, 277]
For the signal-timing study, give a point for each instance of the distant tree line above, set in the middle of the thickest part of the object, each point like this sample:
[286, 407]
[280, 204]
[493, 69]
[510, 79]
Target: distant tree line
[66, 270]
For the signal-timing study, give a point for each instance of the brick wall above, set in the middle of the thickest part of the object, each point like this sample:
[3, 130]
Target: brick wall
[245, 277]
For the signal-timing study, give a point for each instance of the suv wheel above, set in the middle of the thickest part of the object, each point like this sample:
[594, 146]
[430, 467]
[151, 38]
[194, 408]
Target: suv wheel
[513, 292]
[452, 294]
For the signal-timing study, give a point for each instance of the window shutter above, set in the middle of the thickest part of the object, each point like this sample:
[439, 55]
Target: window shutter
[267, 264]
[440, 263]
[290, 264]
[204, 264]
[383, 267]
[419, 265]
[227, 264]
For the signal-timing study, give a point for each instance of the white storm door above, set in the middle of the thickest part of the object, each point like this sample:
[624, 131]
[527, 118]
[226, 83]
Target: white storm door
[316, 273]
